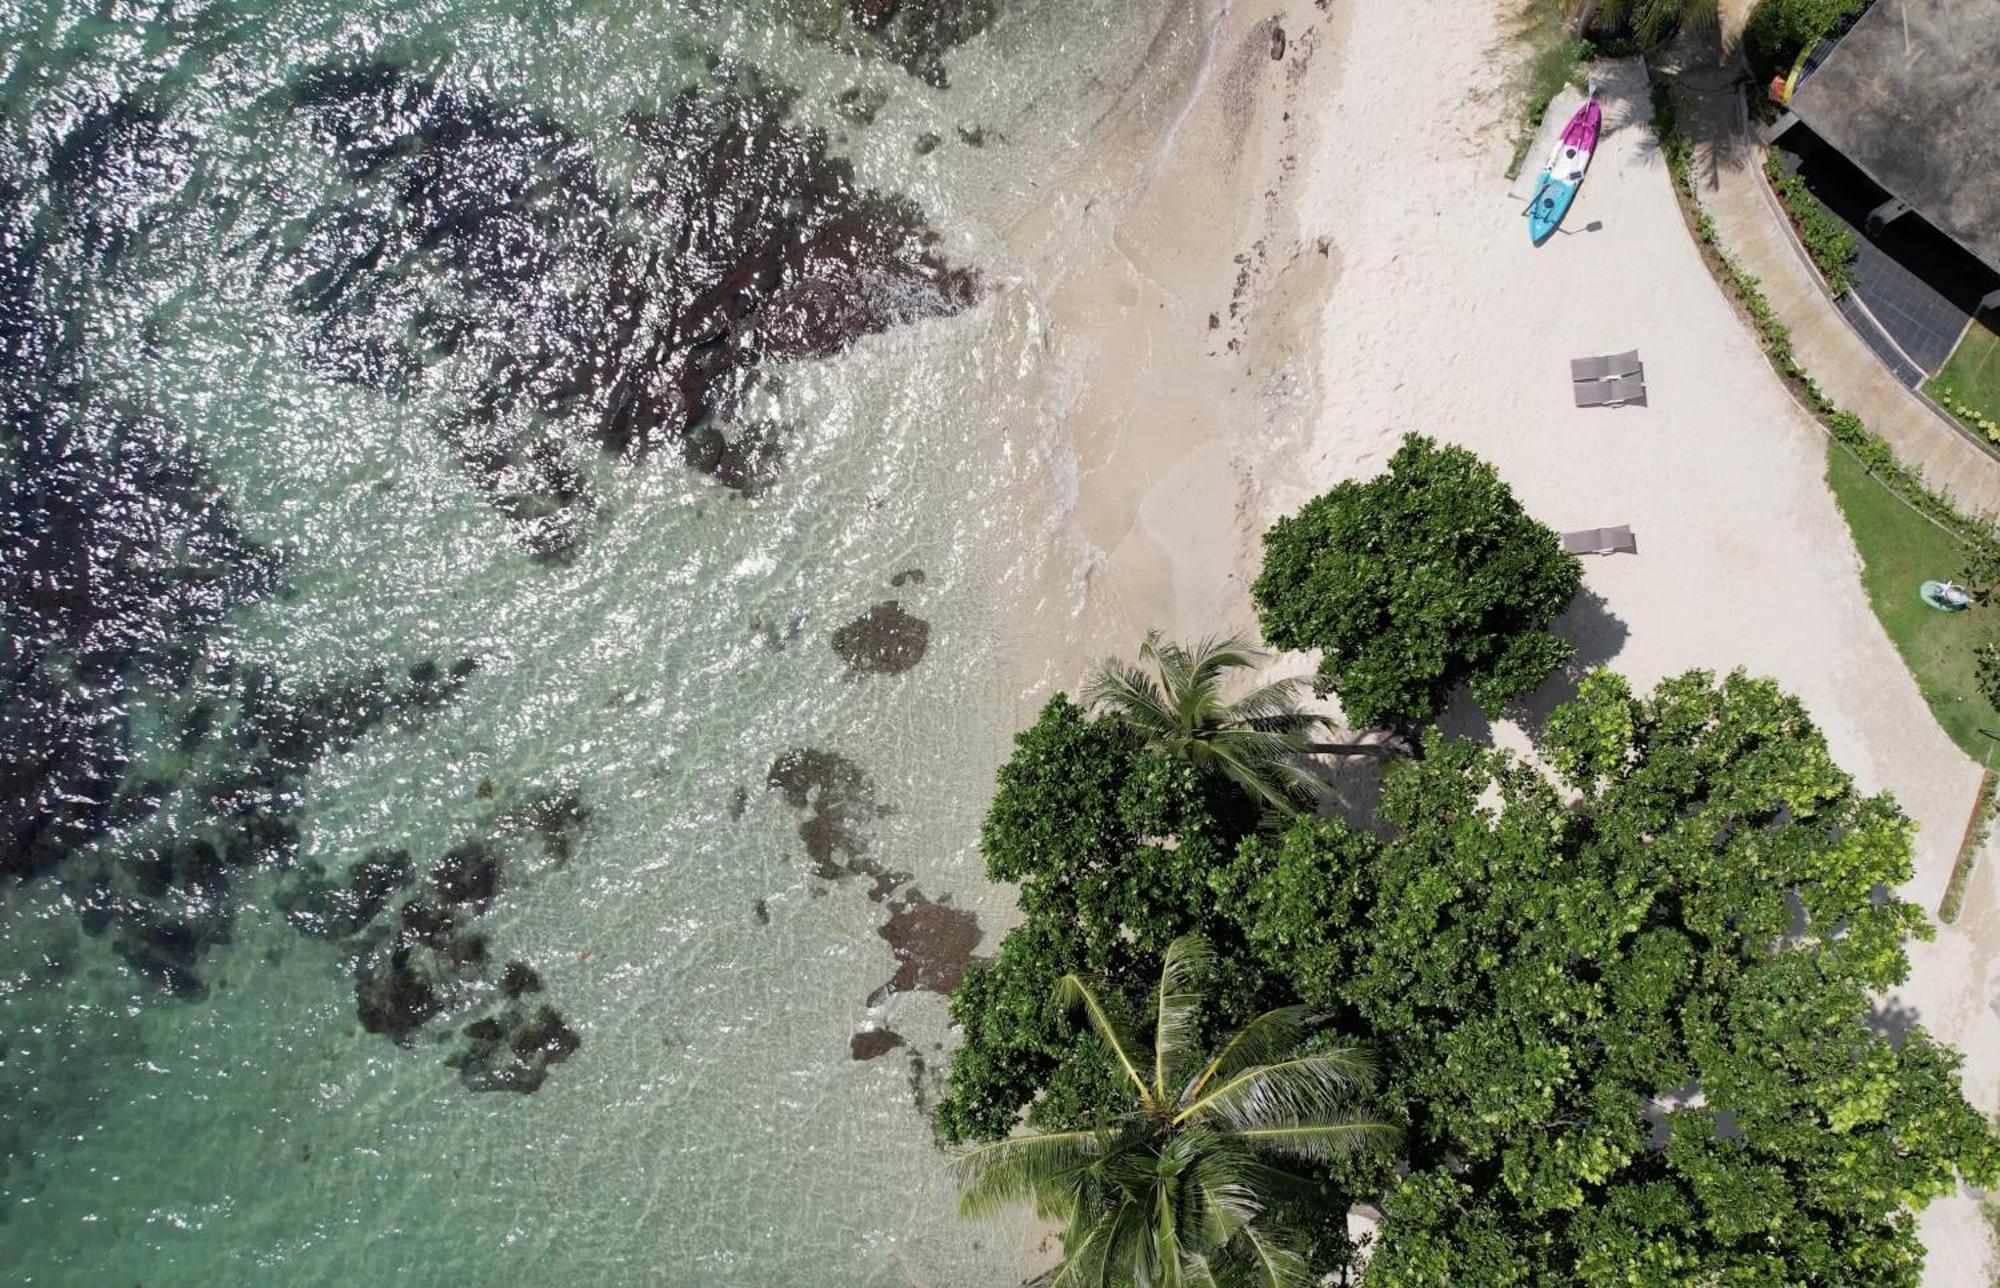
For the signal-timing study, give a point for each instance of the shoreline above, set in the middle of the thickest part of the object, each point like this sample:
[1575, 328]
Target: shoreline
[1166, 299]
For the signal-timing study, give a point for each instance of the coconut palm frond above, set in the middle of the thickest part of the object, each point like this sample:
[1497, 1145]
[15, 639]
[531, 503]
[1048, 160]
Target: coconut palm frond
[1220, 1189]
[1176, 1004]
[1117, 1041]
[1040, 1166]
[1199, 1271]
[1088, 1251]
[1302, 1089]
[1261, 1041]
[1166, 1253]
[1255, 741]
[1128, 1253]
[1217, 654]
[1274, 705]
[1318, 1141]
[1255, 768]
[1132, 694]
[1186, 1191]
[1272, 1264]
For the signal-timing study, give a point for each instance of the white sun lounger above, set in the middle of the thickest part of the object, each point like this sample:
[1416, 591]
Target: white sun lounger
[1610, 393]
[1601, 541]
[1608, 367]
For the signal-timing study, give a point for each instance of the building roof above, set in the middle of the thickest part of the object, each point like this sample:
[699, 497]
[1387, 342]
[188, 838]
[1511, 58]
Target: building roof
[1912, 96]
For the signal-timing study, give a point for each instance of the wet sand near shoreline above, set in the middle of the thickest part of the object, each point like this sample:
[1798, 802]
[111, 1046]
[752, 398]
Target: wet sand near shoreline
[1181, 300]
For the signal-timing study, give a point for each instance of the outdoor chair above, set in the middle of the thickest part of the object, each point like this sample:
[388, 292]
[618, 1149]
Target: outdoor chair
[1610, 393]
[1608, 367]
[1601, 541]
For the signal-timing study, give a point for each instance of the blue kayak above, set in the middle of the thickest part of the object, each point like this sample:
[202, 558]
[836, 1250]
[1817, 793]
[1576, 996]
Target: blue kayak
[1550, 204]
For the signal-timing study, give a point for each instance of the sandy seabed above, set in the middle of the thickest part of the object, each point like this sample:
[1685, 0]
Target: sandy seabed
[1310, 250]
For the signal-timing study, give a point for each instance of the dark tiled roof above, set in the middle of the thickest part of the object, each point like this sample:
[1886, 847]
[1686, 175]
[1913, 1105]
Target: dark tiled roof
[1912, 96]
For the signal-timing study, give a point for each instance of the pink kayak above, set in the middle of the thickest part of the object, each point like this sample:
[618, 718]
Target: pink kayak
[1563, 175]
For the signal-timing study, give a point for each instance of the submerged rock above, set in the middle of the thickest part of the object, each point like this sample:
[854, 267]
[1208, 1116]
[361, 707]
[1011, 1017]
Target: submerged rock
[165, 950]
[933, 943]
[513, 1051]
[520, 979]
[469, 873]
[840, 804]
[871, 1044]
[918, 33]
[316, 906]
[394, 995]
[556, 819]
[886, 640]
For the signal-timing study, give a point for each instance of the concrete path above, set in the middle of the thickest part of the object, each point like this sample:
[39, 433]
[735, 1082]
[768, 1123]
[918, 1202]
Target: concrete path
[1749, 224]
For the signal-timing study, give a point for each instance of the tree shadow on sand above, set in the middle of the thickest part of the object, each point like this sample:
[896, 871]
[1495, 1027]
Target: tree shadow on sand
[1892, 1020]
[1599, 636]
[1354, 790]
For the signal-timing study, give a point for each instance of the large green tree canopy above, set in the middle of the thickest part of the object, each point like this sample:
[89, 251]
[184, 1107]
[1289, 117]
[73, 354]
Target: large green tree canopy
[1111, 844]
[1628, 1008]
[1417, 581]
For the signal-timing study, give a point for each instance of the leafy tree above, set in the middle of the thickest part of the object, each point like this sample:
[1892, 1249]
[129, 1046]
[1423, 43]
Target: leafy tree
[1191, 1182]
[1652, 21]
[1111, 844]
[1415, 582]
[1254, 741]
[1986, 668]
[1626, 1003]
[1981, 573]
[1629, 1010]
[1777, 30]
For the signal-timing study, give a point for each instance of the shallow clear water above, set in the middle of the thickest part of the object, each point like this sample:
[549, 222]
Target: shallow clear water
[711, 1125]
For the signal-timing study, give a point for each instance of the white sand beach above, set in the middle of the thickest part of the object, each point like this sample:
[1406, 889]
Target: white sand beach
[1387, 284]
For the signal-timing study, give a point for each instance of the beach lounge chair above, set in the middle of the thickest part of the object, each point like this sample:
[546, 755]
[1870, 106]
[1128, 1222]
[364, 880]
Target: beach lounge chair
[1609, 367]
[1601, 541]
[1610, 393]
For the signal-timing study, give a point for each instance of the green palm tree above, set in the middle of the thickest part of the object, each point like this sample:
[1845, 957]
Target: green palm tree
[1650, 20]
[1178, 1189]
[1255, 741]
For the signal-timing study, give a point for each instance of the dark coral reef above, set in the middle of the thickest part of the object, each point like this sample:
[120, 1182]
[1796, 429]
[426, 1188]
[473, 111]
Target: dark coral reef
[587, 313]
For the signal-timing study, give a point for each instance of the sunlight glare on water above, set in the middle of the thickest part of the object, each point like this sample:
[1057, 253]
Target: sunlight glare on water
[444, 442]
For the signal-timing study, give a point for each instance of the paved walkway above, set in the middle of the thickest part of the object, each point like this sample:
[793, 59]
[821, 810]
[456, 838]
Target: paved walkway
[1728, 169]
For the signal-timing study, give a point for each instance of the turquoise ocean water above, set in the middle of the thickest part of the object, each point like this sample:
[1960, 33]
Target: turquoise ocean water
[445, 442]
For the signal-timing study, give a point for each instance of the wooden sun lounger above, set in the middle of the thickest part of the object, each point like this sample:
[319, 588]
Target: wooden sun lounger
[1610, 393]
[1609, 367]
[1601, 541]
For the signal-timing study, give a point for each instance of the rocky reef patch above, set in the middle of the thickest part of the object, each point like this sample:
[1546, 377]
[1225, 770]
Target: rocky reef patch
[885, 640]
[917, 34]
[933, 943]
[436, 959]
[486, 248]
[840, 805]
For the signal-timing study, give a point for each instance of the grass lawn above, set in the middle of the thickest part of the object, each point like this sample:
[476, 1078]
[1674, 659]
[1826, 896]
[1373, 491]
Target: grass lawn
[1972, 375]
[1900, 550]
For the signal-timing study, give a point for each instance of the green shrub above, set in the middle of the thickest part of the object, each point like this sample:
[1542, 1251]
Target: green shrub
[1829, 241]
[1779, 29]
[1638, 25]
[1867, 446]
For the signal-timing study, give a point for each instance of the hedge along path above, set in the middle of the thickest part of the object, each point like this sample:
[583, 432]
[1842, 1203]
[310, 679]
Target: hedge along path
[1868, 449]
[1843, 429]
